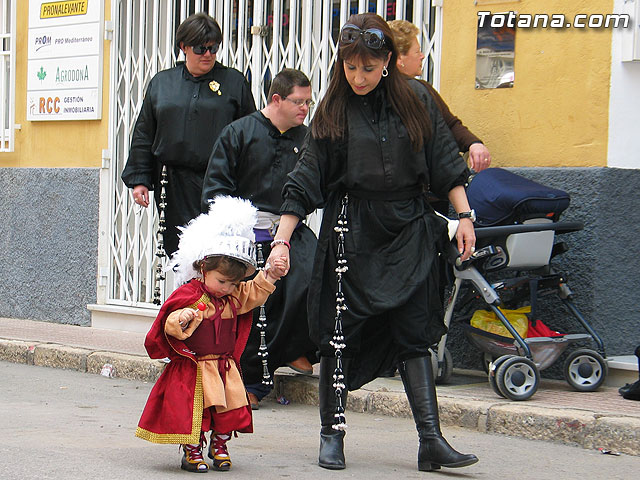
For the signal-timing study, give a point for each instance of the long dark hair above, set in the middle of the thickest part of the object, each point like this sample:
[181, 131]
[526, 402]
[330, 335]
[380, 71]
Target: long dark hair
[330, 119]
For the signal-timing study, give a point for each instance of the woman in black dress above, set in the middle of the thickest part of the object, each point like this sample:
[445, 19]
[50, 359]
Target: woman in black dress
[184, 110]
[377, 143]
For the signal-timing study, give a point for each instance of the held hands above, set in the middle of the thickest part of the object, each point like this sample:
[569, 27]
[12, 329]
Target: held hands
[466, 237]
[479, 157]
[276, 267]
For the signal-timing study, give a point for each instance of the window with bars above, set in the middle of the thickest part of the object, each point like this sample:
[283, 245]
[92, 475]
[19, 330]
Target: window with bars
[7, 74]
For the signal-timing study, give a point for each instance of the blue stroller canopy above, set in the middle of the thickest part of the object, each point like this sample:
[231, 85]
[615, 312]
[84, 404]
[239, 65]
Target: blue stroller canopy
[498, 196]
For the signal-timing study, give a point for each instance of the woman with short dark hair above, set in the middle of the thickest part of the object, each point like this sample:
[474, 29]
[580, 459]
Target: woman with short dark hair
[184, 110]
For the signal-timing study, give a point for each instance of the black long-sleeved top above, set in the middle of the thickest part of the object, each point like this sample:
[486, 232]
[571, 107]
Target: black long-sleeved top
[391, 243]
[463, 136]
[180, 120]
[251, 159]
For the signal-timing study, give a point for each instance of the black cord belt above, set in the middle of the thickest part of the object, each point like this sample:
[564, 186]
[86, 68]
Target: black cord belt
[387, 195]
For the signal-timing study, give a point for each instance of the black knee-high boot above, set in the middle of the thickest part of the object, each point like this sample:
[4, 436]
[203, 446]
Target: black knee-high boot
[434, 451]
[331, 440]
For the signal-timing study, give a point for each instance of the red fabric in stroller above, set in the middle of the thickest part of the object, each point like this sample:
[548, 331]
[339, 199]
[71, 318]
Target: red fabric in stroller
[539, 329]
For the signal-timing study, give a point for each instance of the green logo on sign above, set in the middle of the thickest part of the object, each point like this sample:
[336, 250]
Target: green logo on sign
[41, 74]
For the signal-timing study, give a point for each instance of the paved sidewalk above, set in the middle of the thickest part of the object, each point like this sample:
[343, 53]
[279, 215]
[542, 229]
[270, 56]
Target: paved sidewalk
[601, 419]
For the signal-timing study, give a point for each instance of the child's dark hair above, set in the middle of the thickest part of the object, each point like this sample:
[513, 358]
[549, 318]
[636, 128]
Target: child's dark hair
[231, 268]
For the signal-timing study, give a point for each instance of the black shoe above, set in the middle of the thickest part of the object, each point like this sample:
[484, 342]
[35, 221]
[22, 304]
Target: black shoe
[331, 454]
[625, 388]
[434, 451]
[332, 450]
[633, 392]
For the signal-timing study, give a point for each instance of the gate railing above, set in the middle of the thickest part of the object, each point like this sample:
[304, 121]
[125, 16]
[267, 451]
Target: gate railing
[7, 74]
[260, 37]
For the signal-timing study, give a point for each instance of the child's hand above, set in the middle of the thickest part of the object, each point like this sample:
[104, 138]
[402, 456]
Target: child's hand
[278, 267]
[181, 323]
[187, 315]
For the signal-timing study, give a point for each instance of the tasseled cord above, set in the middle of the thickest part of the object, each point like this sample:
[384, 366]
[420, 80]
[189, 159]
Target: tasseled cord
[337, 342]
[263, 353]
[160, 252]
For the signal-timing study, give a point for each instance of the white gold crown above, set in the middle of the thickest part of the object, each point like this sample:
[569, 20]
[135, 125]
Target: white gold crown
[240, 248]
[227, 229]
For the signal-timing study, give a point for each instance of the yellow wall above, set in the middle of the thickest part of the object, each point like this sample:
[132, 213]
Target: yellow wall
[55, 143]
[556, 115]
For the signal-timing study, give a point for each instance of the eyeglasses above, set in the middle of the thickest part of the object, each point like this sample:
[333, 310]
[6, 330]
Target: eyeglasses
[300, 102]
[372, 37]
[201, 49]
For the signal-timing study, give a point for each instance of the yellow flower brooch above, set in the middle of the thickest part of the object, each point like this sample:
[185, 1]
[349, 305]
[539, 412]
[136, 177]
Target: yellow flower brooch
[215, 87]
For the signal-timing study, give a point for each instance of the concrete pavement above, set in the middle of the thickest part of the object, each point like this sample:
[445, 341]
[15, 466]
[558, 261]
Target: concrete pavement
[601, 419]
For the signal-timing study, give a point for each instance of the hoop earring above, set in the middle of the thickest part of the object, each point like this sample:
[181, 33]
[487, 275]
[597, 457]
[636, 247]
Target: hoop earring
[385, 72]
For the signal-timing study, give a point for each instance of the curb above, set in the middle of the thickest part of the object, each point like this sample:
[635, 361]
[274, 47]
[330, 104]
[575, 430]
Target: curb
[53, 355]
[574, 427]
[571, 426]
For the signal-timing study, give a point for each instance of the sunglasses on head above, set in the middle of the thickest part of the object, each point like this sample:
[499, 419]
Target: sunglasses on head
[201, 49]
[372, 37]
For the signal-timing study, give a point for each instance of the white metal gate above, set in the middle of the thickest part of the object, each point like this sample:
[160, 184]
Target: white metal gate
[260, 37]
[7, 74]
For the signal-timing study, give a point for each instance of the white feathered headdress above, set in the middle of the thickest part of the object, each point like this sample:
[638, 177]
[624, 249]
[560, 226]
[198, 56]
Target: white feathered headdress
[227, 229]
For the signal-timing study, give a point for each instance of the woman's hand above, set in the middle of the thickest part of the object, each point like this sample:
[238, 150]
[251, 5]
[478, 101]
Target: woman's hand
[279, 256]
[280, 245]
[276, 268]
[141, 195]
[479, 157]
[466, 237]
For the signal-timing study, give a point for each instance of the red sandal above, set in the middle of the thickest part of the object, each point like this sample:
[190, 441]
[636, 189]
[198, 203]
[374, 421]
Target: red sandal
[218, 451]
[192, 460]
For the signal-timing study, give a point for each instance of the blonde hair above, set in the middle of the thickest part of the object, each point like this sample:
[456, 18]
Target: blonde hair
[404, 32]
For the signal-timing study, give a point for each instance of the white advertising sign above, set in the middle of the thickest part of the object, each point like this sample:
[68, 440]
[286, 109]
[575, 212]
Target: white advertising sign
[63, 41]
[64, 12]
[55, 104]
[64, 67]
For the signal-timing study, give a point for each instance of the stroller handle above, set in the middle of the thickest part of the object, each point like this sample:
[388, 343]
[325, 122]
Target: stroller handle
[558, 227]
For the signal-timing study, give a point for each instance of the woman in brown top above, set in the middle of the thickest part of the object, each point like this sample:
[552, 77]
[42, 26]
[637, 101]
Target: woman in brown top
[410, 59]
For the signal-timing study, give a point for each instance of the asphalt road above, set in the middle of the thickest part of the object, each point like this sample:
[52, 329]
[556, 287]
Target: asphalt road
[58, 424]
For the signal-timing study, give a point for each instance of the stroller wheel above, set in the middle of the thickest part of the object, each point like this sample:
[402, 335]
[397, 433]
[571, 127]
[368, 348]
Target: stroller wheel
[517, 378]
[447, 367]
[585, 370]
[487, 358]
[493, 368]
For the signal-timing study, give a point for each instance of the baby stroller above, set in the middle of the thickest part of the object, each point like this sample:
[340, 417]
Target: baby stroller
[517, 222]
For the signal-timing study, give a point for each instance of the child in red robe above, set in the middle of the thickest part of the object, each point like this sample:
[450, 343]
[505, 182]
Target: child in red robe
[203, 328]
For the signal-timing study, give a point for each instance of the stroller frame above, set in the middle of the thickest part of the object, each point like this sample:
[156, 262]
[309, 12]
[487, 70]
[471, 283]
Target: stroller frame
[515, 373]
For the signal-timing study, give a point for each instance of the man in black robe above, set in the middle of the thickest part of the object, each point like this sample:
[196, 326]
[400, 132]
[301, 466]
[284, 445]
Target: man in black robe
[251, 159]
